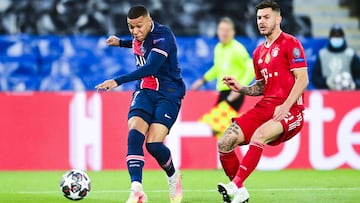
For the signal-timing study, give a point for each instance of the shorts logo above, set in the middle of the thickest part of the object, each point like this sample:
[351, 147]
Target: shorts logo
[167, 116]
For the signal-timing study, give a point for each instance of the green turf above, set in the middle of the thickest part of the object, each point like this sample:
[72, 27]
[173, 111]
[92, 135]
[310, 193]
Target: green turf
[285, 186]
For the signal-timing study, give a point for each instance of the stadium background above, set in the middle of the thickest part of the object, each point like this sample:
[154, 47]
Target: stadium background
[53, 52]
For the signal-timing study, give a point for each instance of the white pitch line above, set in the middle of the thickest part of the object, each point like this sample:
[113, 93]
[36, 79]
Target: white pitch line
[199, 191]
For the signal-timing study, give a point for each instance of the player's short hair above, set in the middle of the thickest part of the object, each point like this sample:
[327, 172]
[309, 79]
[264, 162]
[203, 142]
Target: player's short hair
[228, 21]
[137, 11]
[268, 4]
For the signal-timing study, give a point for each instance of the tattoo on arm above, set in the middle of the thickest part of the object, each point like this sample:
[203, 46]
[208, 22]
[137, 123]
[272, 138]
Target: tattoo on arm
[256, 89]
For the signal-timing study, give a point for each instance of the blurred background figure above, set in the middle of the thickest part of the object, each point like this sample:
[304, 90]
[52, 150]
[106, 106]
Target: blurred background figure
[230, 58]
[337, 66]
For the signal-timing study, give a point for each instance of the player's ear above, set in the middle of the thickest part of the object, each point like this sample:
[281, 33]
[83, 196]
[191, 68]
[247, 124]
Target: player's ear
[278, 19]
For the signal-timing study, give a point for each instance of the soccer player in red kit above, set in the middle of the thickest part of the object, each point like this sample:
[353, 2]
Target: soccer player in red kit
[281, 77]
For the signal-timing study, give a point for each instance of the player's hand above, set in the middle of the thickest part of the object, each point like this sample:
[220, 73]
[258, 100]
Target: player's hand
[280, 112]
[107, 85]
[232, 83]
[113, 41]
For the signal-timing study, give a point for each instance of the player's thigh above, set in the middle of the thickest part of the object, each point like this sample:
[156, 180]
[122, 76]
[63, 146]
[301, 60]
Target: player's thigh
[138, 123]
[268, 132]
[251, 120]
[166, 112]
[292, 124]
[232, 137]
[141, 109]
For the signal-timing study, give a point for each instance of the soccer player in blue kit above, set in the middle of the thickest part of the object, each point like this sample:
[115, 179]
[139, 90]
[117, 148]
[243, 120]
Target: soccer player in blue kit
[156, 100]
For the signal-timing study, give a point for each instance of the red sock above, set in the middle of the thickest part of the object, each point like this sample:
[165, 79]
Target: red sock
[230, 163]
[249, 163]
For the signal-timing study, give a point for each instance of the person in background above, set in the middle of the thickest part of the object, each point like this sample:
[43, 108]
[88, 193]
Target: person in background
[230, 58]
[156, 100]
[337, 66]
[281, 78]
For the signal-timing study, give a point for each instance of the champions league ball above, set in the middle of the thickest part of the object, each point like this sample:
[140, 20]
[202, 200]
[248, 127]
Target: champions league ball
[344, 81]
[75, 184]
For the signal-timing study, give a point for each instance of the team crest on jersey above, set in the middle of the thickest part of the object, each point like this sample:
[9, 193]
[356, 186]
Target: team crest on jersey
[138, 48]
[267, 58]
[275, 51]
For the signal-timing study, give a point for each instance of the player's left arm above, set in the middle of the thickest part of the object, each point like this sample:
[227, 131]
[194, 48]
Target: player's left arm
[301, 82]
[152, 66]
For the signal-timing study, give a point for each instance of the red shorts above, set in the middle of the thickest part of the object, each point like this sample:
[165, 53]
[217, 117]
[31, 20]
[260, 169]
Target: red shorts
[263, 112]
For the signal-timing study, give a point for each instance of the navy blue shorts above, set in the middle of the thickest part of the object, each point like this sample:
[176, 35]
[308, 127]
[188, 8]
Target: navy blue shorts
[154, 107]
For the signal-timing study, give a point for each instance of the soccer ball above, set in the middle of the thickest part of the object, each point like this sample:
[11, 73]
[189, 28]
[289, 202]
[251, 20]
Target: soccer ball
[75, 184]
[344, 81]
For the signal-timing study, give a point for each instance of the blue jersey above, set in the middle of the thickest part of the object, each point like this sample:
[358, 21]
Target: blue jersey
[167, 79]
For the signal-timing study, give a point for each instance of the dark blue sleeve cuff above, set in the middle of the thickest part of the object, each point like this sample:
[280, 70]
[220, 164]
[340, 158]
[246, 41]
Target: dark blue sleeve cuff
[125, 43]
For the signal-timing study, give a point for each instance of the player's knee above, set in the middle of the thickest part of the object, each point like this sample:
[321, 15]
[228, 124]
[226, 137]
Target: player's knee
[151, 148]
[223, 145]
[138, 123]
[155, 148]
[260, 137]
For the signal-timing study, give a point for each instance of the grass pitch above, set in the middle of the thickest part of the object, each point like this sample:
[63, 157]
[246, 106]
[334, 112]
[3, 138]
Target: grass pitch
[286, 186]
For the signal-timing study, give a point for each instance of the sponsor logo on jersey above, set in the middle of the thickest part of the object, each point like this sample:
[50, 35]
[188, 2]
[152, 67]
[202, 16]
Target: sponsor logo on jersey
[140, 60]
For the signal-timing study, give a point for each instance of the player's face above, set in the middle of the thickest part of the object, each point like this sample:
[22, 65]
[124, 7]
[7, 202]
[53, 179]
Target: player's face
[225, 32]
[140, 27]
[267, 21]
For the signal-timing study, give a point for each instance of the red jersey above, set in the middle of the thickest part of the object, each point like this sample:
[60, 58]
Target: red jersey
[274, 63]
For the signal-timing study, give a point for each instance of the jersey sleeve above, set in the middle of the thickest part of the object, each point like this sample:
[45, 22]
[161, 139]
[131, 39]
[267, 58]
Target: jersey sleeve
[161, 43]
[154, 61]
[296, 54]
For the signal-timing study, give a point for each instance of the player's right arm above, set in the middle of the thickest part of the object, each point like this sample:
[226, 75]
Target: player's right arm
[256, 89]
[115, 41]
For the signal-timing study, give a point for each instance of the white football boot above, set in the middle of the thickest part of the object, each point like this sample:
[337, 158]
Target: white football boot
[241, 196]
[137, 194]
[175, 188]
[232, 194]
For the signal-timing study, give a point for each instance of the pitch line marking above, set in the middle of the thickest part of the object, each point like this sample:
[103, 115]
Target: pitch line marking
[164, 191]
